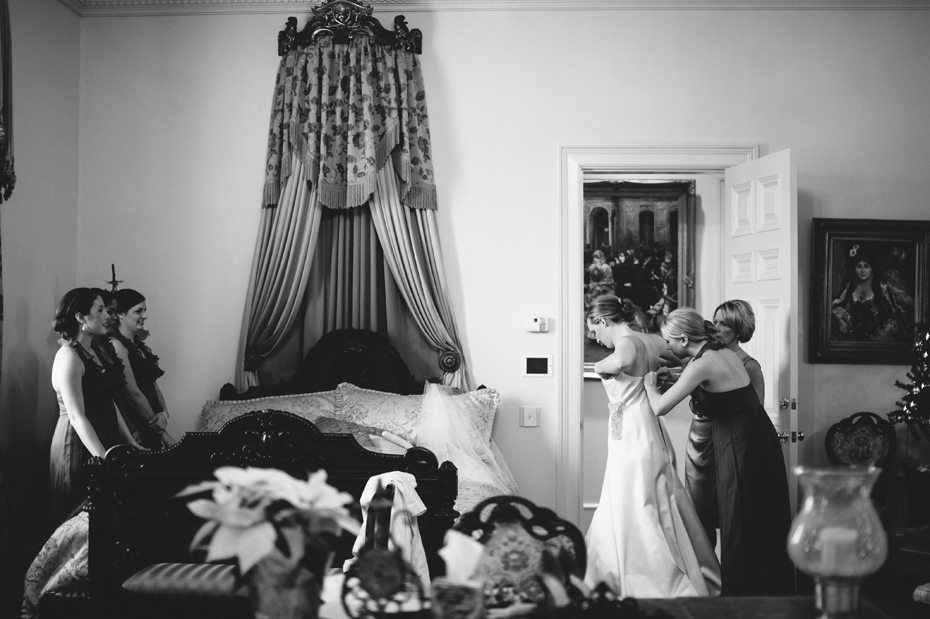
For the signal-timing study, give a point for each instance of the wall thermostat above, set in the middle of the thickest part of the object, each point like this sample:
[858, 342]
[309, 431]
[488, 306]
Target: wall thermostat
[537, 325]
[537, 366]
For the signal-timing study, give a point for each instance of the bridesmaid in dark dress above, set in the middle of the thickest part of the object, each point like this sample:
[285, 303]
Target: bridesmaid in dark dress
[145, 399]
[751, 482]
[88, 421]
[735, 323]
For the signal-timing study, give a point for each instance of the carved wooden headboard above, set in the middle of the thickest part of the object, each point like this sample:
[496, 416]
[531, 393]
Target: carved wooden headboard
[358, 356]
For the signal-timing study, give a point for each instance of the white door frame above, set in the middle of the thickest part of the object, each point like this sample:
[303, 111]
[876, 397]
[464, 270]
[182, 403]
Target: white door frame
[574, 162]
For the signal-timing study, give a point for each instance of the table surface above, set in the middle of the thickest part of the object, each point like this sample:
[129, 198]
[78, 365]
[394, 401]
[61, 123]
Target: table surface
[754, 607]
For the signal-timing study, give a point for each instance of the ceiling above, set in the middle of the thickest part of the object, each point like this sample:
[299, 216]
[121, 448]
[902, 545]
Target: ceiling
[115, 8]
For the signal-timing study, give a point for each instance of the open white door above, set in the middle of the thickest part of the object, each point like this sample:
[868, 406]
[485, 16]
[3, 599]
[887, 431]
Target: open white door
[760, 265]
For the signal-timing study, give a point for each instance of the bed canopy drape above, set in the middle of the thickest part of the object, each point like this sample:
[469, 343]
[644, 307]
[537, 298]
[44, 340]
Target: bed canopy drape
[349, 129]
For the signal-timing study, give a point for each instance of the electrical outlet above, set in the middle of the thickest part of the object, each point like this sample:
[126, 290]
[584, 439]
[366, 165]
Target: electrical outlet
[529, 416]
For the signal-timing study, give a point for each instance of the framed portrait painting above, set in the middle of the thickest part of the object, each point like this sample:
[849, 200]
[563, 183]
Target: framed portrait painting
[869, 289]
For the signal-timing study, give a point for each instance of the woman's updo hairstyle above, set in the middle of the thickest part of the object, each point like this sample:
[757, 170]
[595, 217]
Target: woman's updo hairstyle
[76, 301]
[126, 299]
[686, 322]
[612, 308]
[738, 315]
[640, 323]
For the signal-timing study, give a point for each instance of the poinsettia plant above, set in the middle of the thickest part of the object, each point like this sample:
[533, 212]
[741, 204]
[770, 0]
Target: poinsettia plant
[248, 507]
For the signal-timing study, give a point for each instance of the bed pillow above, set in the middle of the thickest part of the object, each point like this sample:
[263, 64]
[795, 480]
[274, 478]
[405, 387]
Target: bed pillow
[310, 406]
[316, 407]
[482, 406]
[400, 414]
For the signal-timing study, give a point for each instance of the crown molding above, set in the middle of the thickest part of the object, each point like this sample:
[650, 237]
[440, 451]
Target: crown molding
[127, 8]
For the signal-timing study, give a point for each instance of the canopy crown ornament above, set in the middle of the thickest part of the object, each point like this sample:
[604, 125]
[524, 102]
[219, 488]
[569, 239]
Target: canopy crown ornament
[343, 20]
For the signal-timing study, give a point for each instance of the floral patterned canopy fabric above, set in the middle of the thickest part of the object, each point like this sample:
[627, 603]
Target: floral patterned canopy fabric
[343, 109]
[349, 127]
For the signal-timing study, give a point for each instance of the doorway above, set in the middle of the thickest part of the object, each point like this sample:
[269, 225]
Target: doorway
[703, 164]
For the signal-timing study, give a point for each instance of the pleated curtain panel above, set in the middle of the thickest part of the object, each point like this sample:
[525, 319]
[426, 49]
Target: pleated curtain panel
[349, 127]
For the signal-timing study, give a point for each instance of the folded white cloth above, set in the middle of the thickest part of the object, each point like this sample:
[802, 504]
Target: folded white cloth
[405, 532]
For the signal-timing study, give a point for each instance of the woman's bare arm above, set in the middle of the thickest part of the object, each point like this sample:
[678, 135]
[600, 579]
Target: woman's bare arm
[691, 378]
[161, 419]
[124, 430]
[619, 361]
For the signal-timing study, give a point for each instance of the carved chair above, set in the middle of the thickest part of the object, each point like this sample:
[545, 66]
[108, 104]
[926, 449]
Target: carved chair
[865, 439]
[515, 532]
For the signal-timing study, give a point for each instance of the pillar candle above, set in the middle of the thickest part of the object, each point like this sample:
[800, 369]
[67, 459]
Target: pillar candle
[838, 548]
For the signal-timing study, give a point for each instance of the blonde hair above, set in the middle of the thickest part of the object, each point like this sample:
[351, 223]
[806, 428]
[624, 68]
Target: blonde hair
[612, 308]
[738, 315]
[686, 322]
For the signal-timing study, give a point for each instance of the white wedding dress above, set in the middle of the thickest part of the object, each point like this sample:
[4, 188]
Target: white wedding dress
[645, 539]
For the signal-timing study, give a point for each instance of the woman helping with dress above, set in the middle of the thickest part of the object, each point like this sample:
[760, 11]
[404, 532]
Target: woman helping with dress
[735, 323]
[89, 422]
[751, 482]
[141, 370]
[645, 539]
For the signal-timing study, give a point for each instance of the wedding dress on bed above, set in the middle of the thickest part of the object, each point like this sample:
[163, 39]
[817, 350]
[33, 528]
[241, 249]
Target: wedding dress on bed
[645, 539]
[447, 429]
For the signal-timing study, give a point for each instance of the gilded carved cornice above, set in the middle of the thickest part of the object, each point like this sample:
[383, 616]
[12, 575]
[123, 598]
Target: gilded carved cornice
[116, 8]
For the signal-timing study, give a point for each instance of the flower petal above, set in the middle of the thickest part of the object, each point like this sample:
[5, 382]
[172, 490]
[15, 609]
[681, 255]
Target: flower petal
[249, 544]
[203, 486]
[203, 532]
[204, 508]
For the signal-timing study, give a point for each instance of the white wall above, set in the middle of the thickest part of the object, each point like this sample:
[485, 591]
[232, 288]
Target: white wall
[174, 113]
[39, 247]
[173, 136]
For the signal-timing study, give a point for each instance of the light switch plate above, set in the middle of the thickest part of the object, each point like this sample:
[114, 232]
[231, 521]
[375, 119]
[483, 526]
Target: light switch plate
[529, 416]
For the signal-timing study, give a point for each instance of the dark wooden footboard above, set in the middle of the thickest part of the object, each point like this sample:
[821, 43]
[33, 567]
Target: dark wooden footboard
[136, 520]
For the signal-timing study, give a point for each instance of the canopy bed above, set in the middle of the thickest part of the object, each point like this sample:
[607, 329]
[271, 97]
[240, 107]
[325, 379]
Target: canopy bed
[347, 269]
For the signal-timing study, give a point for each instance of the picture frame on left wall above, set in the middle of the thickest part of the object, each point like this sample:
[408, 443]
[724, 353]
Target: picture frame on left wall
[869, 288]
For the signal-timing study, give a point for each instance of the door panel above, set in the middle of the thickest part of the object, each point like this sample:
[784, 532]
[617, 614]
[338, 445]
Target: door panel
[760, 266]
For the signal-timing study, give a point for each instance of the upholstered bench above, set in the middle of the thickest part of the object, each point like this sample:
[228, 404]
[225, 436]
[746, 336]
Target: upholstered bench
[922, 593]
[185, 589]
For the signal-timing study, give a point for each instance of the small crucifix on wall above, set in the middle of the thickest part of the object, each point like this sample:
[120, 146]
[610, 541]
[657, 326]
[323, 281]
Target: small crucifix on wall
[114, 283]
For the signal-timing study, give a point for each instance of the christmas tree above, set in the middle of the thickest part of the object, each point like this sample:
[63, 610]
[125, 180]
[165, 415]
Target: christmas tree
[915, 405]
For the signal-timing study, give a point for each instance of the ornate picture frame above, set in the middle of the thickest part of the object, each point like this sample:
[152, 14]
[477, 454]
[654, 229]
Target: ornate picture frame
[869, 288]
[641, 235]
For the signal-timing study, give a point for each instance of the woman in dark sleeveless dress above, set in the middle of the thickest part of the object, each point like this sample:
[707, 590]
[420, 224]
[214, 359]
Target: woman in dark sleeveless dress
[88, 422]
[752, 485]
[735, 323]
[148, 410]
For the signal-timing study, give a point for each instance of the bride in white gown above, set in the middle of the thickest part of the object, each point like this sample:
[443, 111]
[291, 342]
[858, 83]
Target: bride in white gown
[645, 539]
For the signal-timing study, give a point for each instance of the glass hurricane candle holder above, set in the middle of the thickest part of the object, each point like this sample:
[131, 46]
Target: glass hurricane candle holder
[837, 538]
